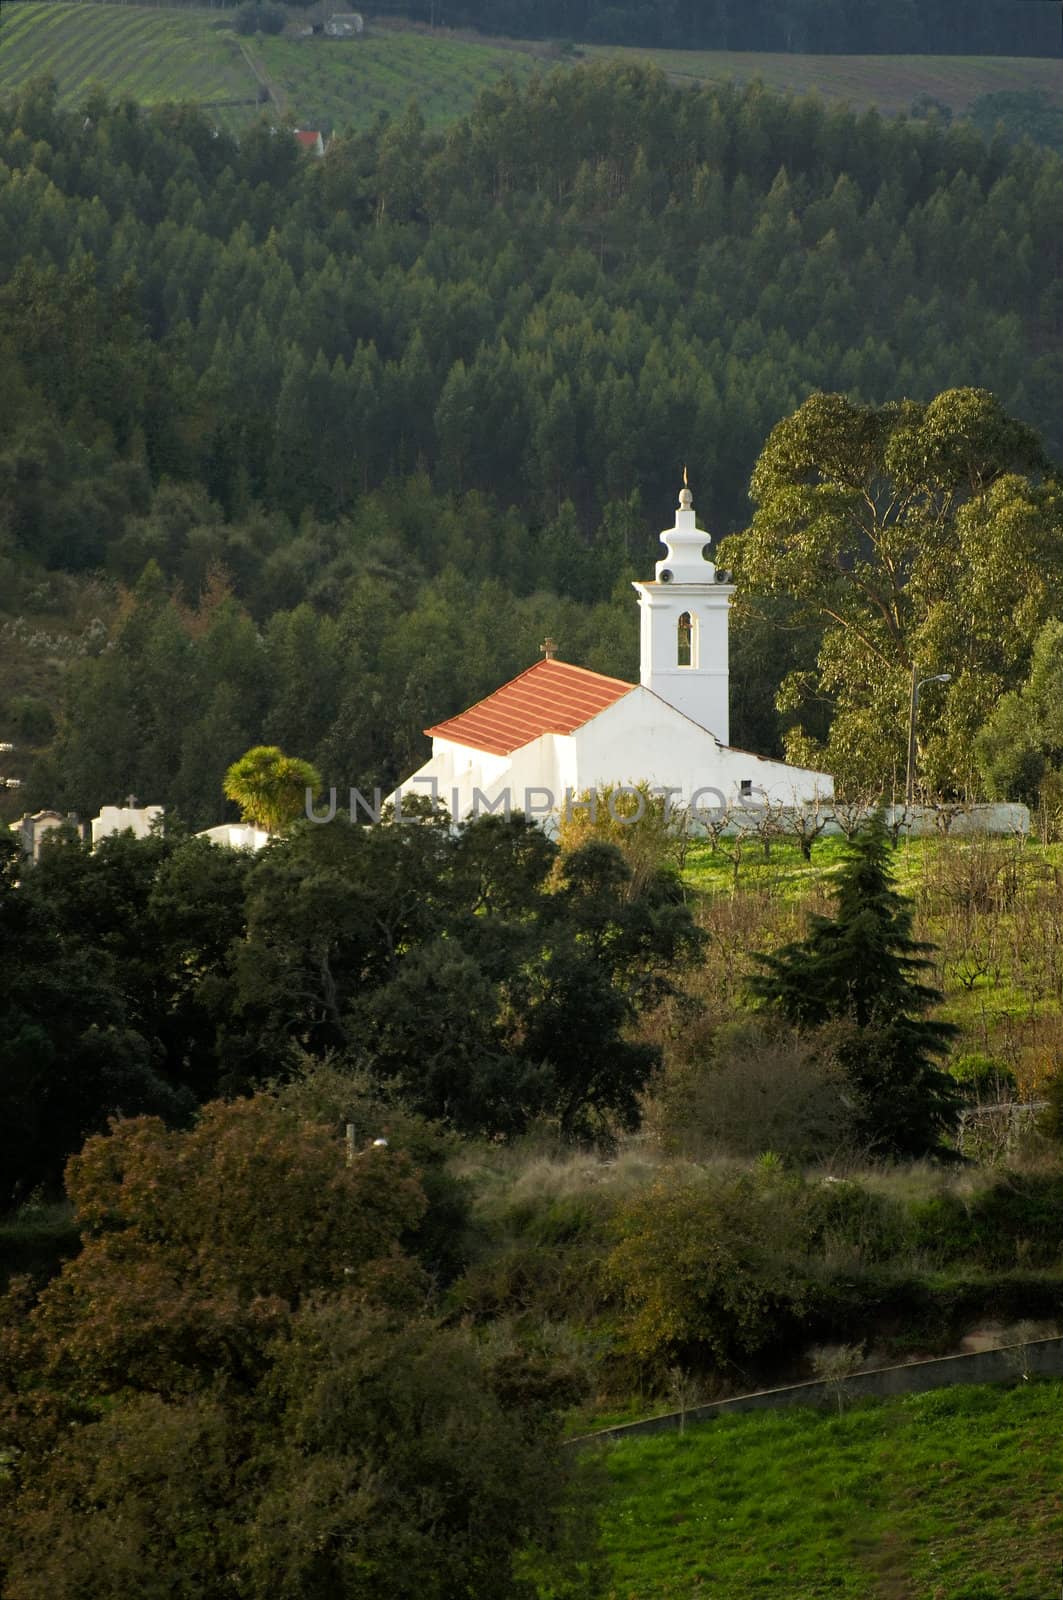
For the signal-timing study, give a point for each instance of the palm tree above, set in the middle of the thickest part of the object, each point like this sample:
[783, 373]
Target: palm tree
[269, 787]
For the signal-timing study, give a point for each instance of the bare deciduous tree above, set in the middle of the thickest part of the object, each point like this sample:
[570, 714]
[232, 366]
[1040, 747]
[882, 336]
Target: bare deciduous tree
[807, 821]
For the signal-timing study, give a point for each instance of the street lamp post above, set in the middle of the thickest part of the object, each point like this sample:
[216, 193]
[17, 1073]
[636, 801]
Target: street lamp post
[917, 684]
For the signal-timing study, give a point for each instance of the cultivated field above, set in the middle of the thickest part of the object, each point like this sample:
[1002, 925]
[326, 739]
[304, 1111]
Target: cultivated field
[149, 53]
[156, 53]
[951, 1494]
[890, 82]
[346, 83]
[992, 907]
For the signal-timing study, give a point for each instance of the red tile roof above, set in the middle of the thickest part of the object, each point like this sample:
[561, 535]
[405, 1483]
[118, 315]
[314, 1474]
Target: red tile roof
[307, 138]
[550, 697]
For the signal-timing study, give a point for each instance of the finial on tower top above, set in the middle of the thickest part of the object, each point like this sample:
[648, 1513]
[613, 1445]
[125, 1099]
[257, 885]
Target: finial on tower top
[686, 499]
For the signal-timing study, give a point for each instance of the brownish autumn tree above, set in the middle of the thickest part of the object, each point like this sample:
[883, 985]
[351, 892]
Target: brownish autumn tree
[198, 1245]
[234, 1389]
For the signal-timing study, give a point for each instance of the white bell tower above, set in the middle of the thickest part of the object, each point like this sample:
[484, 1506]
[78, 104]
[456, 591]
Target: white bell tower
[684, 626]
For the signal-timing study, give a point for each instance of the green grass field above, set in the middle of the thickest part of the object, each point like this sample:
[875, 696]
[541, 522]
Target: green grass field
[953, 1495]
[156, 54]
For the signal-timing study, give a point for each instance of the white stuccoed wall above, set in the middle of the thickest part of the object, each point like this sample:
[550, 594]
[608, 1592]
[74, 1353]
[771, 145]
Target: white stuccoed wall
[638, 739]
[236, 836]
[120, 819]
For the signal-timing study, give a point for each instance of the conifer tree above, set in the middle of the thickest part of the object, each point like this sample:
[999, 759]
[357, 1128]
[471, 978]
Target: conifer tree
[861, 970]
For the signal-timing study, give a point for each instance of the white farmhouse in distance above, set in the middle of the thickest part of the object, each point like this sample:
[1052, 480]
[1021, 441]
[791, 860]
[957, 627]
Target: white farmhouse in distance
[345, 25]
[557, 731]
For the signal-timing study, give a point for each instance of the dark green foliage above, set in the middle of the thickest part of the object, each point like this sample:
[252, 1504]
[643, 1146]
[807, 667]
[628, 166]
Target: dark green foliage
[1020, 114]
[422, 1480]
[147, 974]
[1053, 1115]
[895, 27]
[434, 382]
[80, 1014]
[29, 719]
[883, 527]
[720, 1270]
[860, 971]
[443, 967]
[256, 18]
[1015, 1222]
[1021, 745]
[35, 1241]
[234, 1387]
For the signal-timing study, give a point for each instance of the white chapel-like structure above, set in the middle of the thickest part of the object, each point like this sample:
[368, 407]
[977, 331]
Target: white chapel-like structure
[557, 731]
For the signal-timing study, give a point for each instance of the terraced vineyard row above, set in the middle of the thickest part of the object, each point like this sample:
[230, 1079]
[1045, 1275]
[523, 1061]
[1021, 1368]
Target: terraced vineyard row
[151, 54]
[346, 83]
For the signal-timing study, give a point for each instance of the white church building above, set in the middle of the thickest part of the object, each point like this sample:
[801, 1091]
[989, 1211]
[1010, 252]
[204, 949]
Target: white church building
[557, 732]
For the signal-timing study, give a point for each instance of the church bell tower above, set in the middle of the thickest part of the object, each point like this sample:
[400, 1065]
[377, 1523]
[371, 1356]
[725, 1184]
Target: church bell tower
[684, 625]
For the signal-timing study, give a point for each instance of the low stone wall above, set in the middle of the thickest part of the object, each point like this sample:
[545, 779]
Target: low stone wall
[922, 822]
[1005, 817]
[1008, 1362]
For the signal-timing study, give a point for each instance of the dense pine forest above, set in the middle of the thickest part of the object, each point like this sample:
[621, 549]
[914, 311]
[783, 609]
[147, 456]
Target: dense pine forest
[350, 436]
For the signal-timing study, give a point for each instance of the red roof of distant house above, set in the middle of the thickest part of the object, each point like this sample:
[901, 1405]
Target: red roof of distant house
[309, 140]
[550, 697]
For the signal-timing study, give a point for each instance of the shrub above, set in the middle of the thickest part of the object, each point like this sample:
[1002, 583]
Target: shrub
[1015, 1222]
[712, 1269]
[760, 1087]
[253, 18]
[29, 719]
[984, 1079]
[845, 1219]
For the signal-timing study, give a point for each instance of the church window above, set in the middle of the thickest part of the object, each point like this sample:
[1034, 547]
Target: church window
[685, 641]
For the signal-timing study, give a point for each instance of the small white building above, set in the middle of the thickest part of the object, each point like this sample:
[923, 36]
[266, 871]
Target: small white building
[35, 827]
[345, 25]
[236, 836]
[132, 818]
[558, 731]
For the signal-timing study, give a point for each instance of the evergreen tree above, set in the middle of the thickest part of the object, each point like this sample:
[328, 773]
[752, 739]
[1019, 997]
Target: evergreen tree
[860, 971]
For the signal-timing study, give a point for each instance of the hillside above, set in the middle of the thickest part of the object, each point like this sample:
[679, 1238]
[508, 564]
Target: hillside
[151, 54]
[953, 1493]
[281, 369]
[889, 82]
[347, 84]
[156, 54]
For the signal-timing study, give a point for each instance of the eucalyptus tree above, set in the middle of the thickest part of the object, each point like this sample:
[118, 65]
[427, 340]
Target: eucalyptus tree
[921, 539]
